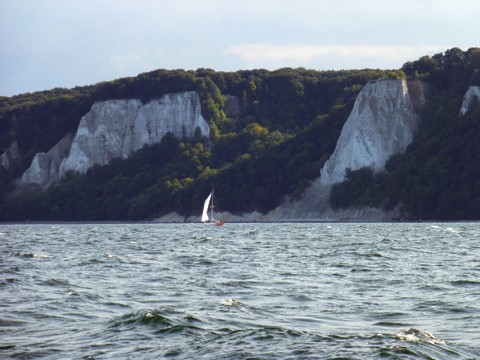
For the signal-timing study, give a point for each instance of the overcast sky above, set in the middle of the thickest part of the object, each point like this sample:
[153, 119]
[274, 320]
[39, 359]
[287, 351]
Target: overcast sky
[65, 43]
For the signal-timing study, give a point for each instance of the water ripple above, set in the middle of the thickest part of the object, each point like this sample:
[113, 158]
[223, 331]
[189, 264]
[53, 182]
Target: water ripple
[267, 291]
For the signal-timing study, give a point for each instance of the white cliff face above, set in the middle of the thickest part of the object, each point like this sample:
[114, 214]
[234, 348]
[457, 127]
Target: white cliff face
[472, 94]
[44, 168]
[41, 170]
[9, 156]
[117, 128]
[381, 124]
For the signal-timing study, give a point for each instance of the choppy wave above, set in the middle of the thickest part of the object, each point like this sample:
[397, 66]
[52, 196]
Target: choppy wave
[256, 291]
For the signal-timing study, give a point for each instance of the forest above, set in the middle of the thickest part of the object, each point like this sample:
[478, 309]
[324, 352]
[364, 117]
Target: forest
[287, 127]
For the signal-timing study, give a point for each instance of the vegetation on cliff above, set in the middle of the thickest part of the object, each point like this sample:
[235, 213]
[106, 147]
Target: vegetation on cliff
[438, 177]
[287, 126]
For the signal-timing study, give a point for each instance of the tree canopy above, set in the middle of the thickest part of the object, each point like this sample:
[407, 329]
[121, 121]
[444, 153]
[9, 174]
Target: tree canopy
[438, 176]
[287, 124]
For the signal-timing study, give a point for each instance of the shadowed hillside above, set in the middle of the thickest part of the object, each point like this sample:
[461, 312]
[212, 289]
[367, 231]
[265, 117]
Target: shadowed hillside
[270, 134]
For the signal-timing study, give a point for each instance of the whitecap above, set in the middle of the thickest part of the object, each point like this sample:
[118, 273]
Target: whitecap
[234, 303]
[111, 256]
[230, 302]
[419, 336]
[72, 292]
[453, 230]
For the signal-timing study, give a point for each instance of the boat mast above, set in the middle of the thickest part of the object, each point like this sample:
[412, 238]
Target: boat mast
[211, 206]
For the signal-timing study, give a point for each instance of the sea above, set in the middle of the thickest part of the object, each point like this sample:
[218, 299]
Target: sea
[241, 291]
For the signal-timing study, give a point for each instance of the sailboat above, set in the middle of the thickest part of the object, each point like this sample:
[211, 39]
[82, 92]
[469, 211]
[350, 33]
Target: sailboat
[207, 218]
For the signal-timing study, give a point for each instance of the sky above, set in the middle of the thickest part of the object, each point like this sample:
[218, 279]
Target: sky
[46, 44]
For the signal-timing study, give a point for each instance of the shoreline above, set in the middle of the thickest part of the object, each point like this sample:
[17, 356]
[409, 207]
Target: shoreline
[156, 222]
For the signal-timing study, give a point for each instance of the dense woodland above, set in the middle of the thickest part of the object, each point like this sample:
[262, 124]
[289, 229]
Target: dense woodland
[288, 125]
[438, 178]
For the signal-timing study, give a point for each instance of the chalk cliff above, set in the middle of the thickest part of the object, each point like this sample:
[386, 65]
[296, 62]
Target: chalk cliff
[115, 129]
[472, 94]
[44, 168]
[9, 156]
[382, 123]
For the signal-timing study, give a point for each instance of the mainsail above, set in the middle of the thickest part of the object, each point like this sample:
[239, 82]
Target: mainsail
[206, 217]
[205, 209]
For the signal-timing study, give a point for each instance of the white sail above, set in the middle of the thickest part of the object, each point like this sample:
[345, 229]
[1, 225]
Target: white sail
[205, 209]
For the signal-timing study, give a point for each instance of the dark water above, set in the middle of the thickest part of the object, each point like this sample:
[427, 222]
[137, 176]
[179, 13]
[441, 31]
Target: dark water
[245, 291]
